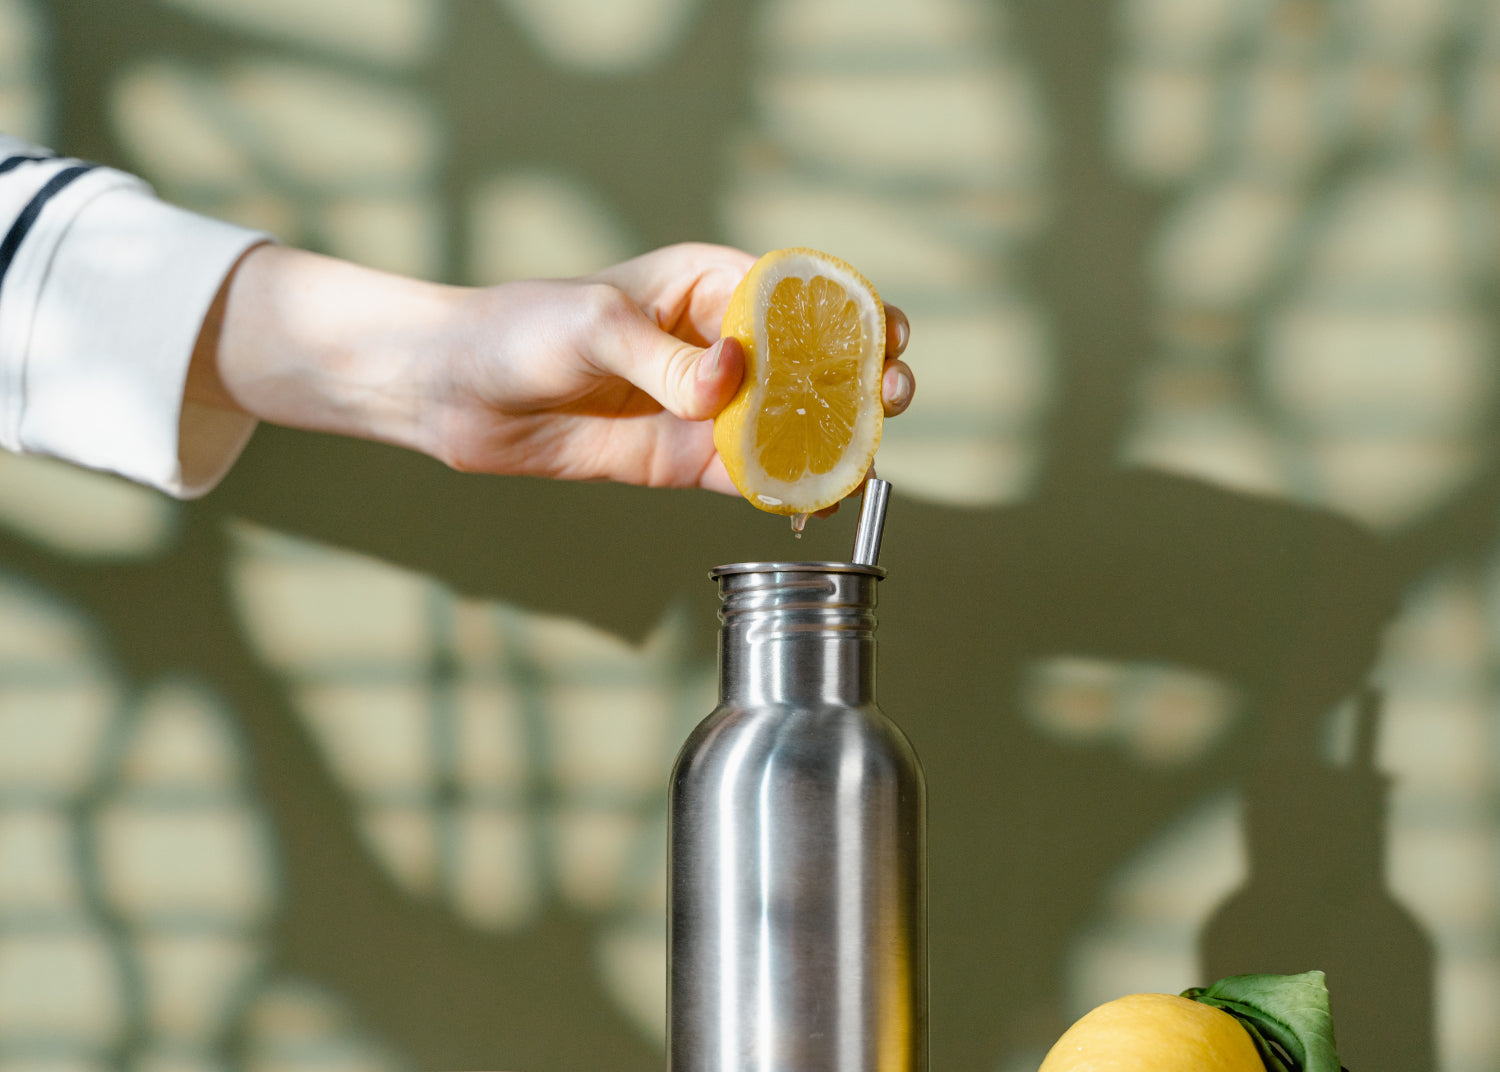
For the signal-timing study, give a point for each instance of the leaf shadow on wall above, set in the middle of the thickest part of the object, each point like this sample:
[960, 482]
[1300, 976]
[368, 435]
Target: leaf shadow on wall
[1283, 602]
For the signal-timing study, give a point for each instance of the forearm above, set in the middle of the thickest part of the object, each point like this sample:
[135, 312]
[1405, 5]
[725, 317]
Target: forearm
[608, 377]
[311, 342]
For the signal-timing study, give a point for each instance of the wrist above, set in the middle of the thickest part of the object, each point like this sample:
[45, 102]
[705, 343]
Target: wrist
[311, 342]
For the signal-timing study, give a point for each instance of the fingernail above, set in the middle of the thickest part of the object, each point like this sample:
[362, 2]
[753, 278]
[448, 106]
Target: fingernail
[900, 390]
[711, 361]
[903, 334]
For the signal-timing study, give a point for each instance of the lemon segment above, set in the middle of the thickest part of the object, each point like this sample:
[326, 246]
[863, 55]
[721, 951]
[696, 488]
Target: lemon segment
[803, 429]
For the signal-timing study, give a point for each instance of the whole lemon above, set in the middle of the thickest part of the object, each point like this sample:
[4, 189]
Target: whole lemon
[1154, 1033]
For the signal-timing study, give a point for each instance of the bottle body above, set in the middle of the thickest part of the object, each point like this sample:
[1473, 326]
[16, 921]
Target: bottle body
[797, 922]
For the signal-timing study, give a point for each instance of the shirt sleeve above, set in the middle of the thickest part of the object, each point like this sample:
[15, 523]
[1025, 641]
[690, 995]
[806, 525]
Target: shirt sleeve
[103, 291]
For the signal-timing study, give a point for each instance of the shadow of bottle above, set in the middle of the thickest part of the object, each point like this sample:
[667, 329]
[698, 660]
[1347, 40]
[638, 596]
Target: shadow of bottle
[1284, 603]
[1317, 898]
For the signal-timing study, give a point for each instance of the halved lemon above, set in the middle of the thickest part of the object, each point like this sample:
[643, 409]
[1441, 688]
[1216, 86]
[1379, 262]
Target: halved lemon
[802, 430]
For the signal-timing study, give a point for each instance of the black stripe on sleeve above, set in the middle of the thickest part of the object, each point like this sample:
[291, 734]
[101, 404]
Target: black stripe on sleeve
[12, 162]
[18, 230]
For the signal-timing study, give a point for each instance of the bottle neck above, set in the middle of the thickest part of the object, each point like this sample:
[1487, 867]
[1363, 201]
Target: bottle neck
[1287, 808]
[797, 633]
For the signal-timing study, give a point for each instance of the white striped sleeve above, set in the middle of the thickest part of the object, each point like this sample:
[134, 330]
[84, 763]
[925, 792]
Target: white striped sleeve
[103, 290]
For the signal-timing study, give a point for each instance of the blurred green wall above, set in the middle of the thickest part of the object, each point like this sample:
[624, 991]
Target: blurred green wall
[360, 764]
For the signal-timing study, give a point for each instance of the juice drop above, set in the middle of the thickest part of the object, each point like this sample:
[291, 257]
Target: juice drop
[799, 522]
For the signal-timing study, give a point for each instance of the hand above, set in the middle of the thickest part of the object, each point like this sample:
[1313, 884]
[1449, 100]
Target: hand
[611, 376]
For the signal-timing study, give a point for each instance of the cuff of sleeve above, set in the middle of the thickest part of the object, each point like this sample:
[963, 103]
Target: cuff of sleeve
[127, 290]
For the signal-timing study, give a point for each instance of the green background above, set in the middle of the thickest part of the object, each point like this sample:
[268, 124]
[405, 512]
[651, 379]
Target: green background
[359, 763]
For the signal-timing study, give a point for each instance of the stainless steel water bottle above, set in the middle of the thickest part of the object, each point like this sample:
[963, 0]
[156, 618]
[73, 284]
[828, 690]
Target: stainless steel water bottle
[797, 919]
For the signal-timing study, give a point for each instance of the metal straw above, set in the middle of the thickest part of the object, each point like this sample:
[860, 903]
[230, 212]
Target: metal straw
[871, 522]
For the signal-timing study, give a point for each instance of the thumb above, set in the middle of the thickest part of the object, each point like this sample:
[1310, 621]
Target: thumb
[692, 383]
[716, 376]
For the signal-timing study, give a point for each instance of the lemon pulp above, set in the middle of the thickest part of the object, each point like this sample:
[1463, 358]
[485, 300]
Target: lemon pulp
[807, 422]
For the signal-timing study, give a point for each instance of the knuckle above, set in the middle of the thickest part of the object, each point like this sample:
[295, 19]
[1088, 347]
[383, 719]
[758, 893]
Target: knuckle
[608, 307]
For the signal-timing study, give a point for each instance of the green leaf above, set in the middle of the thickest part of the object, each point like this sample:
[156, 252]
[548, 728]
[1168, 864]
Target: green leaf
[1270, 1056]
[1286, 1011]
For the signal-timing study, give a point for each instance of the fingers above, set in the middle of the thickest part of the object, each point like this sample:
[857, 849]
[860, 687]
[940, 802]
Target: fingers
[897, 331]
[897, 386]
